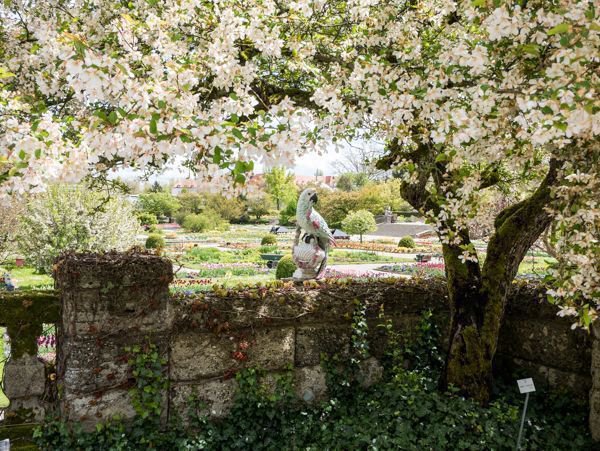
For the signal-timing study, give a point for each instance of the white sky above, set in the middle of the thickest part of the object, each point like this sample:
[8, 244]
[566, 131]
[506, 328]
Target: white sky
[305, 165]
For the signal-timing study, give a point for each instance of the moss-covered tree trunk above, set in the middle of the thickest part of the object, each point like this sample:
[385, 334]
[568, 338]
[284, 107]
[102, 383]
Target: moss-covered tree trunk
[478, 296]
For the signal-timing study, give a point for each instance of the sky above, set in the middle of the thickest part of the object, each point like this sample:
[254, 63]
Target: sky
[305, 165]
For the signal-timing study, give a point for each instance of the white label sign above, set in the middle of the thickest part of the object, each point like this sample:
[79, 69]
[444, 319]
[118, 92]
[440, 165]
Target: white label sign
[526, 385]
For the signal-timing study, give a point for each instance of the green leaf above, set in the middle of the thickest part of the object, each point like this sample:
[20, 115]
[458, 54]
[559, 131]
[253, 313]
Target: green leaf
[153, 127]
[4, 73]
[113, 118]
[531, 49]
[238, 134]
[561, 28]
[38, 153]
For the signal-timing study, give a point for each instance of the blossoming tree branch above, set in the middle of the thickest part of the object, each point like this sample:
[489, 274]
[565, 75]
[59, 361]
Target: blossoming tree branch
[471, 97]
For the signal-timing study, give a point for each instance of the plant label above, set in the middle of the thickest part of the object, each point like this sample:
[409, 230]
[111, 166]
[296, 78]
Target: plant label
[526, 385]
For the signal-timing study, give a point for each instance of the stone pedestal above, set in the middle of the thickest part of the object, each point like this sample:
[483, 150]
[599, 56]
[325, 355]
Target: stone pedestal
[24, 386]
[109, 303]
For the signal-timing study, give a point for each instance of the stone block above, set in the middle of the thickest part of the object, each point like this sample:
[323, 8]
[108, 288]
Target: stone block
[92, 364]
[314, 340]
[197, 356]
[310, 383]
[551, 343]
[272, 349]
[90, 409]
[215, 398]
[370, 372]
[24, 377]
[26, 410]
[545, 377]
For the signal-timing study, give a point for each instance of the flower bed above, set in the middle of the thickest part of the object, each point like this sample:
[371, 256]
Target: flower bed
[428, 269]
[378, 247]
[209, 270]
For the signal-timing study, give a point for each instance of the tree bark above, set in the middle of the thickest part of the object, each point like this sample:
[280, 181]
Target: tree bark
[477, 295]
[478, 298]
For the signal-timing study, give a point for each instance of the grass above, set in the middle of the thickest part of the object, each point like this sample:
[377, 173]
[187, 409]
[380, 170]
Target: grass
[536, 265]
[27, 278]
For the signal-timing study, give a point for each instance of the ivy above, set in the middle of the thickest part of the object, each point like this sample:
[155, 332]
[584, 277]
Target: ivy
[404, 411]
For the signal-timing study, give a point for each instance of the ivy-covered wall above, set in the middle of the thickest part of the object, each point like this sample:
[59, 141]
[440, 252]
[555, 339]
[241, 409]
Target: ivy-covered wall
[114, 305]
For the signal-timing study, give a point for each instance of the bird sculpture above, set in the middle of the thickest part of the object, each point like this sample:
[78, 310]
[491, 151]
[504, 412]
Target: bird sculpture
[313, 224]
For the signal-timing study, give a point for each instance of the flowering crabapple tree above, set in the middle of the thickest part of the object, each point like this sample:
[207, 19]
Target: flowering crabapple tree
[470, 96]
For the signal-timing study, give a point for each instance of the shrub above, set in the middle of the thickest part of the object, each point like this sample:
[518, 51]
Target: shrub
[155, 230]
[285, 267]
[146, 218]
[268, 249]
[205, 221]
[155, 241]
[406, 241]
[287, 216]
[268, 240]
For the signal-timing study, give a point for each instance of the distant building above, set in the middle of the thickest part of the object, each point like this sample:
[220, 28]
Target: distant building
[187, 185]
[321, 180]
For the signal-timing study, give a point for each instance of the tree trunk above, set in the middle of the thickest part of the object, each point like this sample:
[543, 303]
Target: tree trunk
[478, 297]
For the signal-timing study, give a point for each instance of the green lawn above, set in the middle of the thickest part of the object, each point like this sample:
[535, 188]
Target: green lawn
[536, 265]
[27, 278]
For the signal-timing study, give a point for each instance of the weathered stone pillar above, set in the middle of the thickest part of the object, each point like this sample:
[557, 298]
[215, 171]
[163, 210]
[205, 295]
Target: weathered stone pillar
[25, 380]
[595, 391]
[25, 385]
[109, 302]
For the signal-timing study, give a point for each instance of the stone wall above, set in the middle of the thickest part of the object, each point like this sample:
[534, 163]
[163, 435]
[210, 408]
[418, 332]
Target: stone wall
[117, 300]
[27, 382]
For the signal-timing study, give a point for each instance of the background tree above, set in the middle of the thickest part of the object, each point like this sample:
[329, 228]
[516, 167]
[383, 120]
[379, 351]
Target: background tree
[359, 222]
[280, 185]
[159, 204]
[9, 226]
[287, 216]
[257, 207]
[231, 209]
[351, 181]
[73, 218]
[156, 188]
